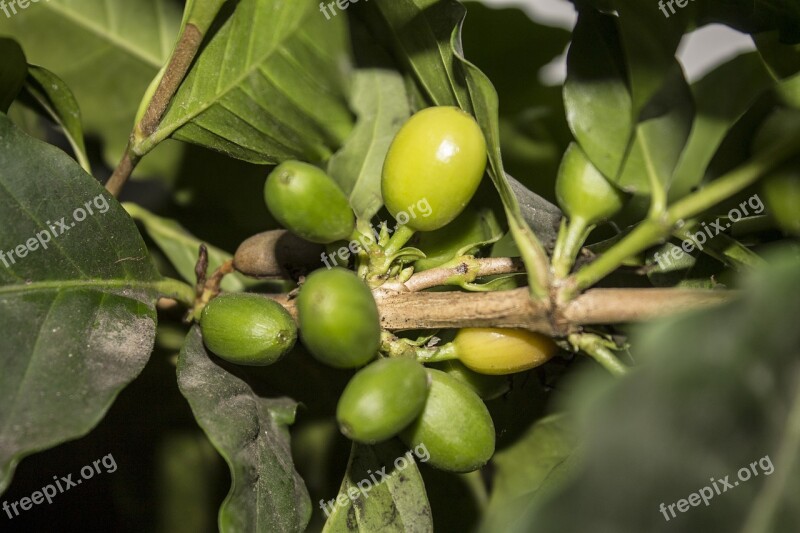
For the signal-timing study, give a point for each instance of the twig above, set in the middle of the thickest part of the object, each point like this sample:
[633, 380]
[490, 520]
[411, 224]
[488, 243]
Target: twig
[468, 268]
[515, 309]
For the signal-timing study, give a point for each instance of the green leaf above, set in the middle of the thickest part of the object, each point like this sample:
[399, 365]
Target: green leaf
[266, 87]
[107, 52]
[13, 70]
[419, 32]
[660, 137]
[382, 491]
[182, 248]
[744, 78]
[49, 92]
[649, 40]
[77, 319]
[537, 463]
[596, 96]
[717, 394]
[251, 433]
[379, 99]
[526, 44]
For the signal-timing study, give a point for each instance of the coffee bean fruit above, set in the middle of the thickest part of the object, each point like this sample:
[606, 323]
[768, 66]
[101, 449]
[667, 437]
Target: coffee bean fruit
[583, 192]
[247, 329]
[382, 399]
[307, 201]
[338, 317]
[454, 426]
[438, 156]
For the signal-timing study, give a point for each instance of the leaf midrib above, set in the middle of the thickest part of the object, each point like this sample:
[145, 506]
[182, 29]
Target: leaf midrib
[77, 284]
[112, 38]
[166, 129]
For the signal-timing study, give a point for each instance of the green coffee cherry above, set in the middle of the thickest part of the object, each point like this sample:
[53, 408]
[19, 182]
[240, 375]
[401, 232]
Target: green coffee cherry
[454, 426]
[308, 203]
[487, 387]
[587, 198]
[583, 192]
[339, 321]
[247, 329]
[782, 196]
[382, 399]
[438, 156]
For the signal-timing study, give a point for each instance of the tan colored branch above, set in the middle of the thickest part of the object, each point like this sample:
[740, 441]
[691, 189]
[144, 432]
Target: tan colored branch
[515, 309]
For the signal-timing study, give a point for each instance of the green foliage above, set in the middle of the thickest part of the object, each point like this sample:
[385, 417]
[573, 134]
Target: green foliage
[251, 433]
[79, 315]
[205, 102]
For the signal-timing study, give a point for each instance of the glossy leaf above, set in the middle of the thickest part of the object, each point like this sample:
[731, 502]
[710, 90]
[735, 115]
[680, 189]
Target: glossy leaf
[251, 433]
[598, 103]
[716, 395]
[382, 491]
[380, 101]
[77, 318]
[107, 52]
[744, 79]
[659, 137]
[266, 87]
[13, 70]
[54, 96]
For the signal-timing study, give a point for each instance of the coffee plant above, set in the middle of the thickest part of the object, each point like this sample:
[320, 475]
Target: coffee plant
[352, 266]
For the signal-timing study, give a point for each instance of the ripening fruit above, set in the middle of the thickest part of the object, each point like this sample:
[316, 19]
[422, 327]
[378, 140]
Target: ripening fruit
[583, 192]
[339, 321]
[382, 399]
[502, 351]
[487, 387]
[454, 426]
[438, 156]
[782, 196]
[247, 329]
[308, 203]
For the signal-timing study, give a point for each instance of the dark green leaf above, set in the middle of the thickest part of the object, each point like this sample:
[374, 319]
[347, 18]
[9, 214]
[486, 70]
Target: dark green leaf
[660, 137]
[526, 44]
[419, 32]
[77, 318]
[382, 491]
[598, 102]
[266, 87]
[13, 70]
[251, 433]
[744, 79]
[56, 99]
[717, 394]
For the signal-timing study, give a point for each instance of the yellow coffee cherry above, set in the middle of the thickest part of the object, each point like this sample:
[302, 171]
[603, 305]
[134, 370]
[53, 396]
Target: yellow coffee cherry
[502, 351]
